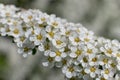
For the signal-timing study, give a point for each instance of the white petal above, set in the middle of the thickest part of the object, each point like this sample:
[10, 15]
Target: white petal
[87, 70]
[73, 49]
[101, 63]
[105, 76]
[45, 64]
[58, 64]
[118, 66]
[25, 55]
[102, 49]
[71, 38]
[46, 53]
[41, 48]
[89, 46]
[31, 38]
[63, 55]
[30, 52]
[20, 51]
[92, 75]
[58, 58]
[54, 42]
[69, 75]
[91, 63]
[73, 55]
[52, 54]
[37, 42]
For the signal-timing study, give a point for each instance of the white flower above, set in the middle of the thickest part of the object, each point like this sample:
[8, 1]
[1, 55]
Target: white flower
[69, 71]
[41, 47]
[88, 37]
[74, 39]
[27, 16]
[29, 32]
[58, 55]
[84, 61]
[90, 50]
[66, 31]
[26, 48]
[93, 60]
[48, 61]
[16, 31]
[20, 40]
[107, 62]
[101, 78]
[109, 49]
[50, 32]
[117, 55]
[92, 70]
[54, 22]
[107, 73]
[5, 30]
[42, 18]
[59, 41]
[38, 36]
[76, 52]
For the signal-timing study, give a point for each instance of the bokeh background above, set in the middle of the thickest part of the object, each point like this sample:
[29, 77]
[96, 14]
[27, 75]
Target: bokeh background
[100, 16]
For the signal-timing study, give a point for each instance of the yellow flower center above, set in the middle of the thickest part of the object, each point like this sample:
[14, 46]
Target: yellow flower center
[67, 32]
[113, 65]
[7, 14]
[77, 39]
[85, 59]
[15, 23]
[30, 17]
[107, 71]
[66, 49]
[105, 60]
[78, 30]
[41, 25]
[92, 69]
[54, 24]
[43, 19]
[71, 69]
[33, 32]
[59, 42]
[26, 49]
[39, 37]
[64, 61]
[51, 34]
[50, 59]
[16, 31]
[109, 51]
[118, 55]
[83, 72]
[102, 78]
[22, 38]
[94, 59]
[58, 53]
[24, 28]
[89, 51]
[78, 52]
[86, 40]
[47, 47]
[7, 30]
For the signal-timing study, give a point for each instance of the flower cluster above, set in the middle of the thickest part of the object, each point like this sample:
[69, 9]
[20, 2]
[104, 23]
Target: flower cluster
[77, 51]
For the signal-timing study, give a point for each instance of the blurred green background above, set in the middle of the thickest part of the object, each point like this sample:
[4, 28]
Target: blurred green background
[100, 16]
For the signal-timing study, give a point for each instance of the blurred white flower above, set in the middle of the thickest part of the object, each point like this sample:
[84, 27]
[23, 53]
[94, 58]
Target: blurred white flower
[71, 47]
